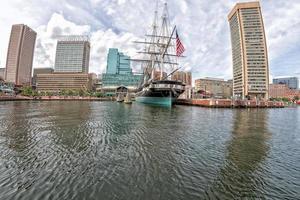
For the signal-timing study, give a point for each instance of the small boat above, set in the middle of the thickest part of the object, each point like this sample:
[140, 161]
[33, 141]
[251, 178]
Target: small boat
[120, 98]
[127, 99]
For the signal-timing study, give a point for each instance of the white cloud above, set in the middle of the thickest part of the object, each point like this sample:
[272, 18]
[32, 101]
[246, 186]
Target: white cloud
[101, 40]
[48, 35]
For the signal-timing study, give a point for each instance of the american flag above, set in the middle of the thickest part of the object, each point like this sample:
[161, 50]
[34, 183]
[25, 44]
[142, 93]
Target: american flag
[179, 47]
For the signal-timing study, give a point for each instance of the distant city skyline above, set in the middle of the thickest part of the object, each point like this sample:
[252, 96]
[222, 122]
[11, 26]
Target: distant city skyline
[202, 25]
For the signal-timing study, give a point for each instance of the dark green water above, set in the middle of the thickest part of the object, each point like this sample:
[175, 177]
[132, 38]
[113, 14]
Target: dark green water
[106, 150]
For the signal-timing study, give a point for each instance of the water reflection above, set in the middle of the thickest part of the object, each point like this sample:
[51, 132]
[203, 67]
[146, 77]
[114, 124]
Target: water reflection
[91, 150]
[17, 128]
[68, 121]
[248, 147]
[246, 151]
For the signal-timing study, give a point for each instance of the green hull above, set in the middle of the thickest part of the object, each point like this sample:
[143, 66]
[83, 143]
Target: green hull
[159, 101]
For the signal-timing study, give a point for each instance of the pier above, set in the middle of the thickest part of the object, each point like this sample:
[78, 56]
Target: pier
[227, 103]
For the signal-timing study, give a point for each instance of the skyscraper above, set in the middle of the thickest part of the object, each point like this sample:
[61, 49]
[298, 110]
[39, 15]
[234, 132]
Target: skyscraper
[249, 51]
[72, 54]
[117, 62]
[20, 55]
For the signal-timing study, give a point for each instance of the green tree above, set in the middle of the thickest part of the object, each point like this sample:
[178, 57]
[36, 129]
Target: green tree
[99, 94]
[27, 91]
[70, 92]
[62, 92]
[81, 92]
[49, 94]
[285, 99]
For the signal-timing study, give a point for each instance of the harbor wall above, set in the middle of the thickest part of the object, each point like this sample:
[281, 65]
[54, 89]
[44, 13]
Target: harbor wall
[54, 98]
[227, 103]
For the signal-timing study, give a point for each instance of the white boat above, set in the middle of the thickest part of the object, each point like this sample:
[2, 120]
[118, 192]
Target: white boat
[127, 99]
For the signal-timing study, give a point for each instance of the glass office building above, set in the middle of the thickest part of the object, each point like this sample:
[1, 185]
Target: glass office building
[121, 80]
[118, 72]
[117, 63]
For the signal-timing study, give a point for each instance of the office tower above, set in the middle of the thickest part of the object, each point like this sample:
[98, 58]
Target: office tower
[117, 62]
[249, 51]
[72, 54]
[291, 82]
[20, 55]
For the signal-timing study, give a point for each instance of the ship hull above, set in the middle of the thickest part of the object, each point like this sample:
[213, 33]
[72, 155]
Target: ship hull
[160, 93]
[159, 101]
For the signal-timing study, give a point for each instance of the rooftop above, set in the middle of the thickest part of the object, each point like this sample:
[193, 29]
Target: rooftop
[74, 38]
[254, 4]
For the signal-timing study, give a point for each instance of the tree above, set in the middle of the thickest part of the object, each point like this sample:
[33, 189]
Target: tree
[70, 92]
[81, 92]
[27, 91]
[99, 94]
[285, 99]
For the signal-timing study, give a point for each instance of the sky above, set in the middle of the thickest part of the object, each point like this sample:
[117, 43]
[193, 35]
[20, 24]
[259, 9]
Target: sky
[202, 26]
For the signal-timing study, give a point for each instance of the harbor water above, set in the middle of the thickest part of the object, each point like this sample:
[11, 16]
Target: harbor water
[109, 150]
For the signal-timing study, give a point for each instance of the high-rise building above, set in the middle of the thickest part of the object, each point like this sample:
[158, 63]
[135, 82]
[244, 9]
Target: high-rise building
[291, 82]
[72, 54]
[249, 51]
[20, 55]
[117, 62]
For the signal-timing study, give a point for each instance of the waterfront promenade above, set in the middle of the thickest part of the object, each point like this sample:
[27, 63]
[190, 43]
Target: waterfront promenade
[54, 98]
[212, 103]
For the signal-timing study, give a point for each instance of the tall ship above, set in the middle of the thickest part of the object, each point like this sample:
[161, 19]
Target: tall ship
[162, 49]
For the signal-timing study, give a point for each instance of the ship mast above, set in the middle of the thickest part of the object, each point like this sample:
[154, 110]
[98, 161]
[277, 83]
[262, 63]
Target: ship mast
[152, 46]
[160, 47]
[165, 33]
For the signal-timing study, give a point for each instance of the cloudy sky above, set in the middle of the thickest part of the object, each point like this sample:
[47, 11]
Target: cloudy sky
[202, 25]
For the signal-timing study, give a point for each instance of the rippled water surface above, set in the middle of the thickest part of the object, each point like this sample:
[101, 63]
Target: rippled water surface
[105, 150]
